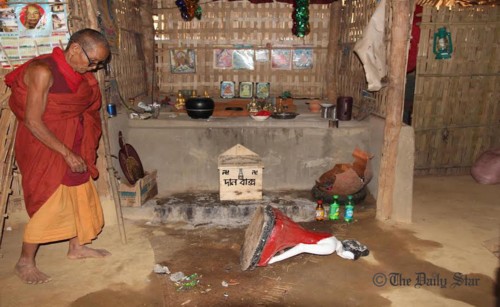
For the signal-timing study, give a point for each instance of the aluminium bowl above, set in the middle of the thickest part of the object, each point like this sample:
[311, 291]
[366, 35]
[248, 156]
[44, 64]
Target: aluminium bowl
[285, 115]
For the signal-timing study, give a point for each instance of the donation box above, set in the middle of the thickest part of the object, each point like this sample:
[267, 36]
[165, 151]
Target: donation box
[240, 173]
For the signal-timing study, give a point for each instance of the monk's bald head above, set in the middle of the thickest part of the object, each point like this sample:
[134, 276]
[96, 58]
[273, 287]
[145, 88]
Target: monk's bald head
[89, 39]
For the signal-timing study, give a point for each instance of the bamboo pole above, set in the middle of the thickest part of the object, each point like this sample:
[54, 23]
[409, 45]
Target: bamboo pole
[8, 166]
[113, 183]
[333, 51]
[400, 37]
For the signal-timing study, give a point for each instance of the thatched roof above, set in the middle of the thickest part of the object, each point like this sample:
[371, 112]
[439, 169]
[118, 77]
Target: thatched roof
[450, 3]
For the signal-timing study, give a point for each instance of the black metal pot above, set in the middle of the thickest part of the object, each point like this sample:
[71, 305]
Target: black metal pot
[200, 107]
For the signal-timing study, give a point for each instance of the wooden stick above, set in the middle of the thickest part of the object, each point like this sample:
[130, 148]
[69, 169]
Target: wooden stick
[105, 135]
[400, 37]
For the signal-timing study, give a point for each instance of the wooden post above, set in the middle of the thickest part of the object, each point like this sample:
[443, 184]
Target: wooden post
[400, 37]
[148, 45]
[333, 52]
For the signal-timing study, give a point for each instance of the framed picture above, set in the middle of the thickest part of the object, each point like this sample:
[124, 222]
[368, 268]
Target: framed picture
[281, 59]
[223, 58]
[243, 59]
[182, 61]
[302, 58]
[262, 55]
[246, 89]
[263, 89]
[227, 89]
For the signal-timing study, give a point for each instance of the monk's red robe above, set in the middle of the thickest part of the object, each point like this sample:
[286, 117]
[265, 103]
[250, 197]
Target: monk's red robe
[42, 168]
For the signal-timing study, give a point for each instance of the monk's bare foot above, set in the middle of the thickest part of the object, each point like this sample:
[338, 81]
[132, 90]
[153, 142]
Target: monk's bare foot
[29, 273]
[82, 252]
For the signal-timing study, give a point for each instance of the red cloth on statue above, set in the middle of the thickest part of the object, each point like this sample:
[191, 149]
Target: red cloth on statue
[41, 167]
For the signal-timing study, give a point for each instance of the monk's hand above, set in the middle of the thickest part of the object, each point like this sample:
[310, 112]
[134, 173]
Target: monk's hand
[75, 162]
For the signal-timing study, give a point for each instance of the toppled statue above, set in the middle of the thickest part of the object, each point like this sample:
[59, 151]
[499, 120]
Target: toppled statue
[345, 179]
[272, 236]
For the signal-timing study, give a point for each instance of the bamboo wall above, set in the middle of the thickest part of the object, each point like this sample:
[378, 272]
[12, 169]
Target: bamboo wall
[225, 23]
[351, 80]
[129, 64]
[457, 104]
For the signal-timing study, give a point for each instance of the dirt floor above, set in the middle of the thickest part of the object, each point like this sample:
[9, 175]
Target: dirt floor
[442, 259]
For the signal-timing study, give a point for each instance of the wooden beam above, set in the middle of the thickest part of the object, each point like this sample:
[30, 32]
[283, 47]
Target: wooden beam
[397, 59]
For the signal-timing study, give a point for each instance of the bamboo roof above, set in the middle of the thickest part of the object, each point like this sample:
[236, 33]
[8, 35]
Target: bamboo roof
[451, 3]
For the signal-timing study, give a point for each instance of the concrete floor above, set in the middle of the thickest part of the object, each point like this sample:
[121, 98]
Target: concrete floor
[455, 221]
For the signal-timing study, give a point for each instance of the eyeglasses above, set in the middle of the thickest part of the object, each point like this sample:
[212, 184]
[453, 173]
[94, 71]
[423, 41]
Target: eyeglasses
[98, 65]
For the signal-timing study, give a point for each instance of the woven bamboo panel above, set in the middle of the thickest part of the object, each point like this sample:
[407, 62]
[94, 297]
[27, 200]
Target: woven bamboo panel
[78, 14]
[456, 111]
[128, 65]
[225, 24]
[351, 75]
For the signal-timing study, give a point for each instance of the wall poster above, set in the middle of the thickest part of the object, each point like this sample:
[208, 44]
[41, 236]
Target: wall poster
[31, 28]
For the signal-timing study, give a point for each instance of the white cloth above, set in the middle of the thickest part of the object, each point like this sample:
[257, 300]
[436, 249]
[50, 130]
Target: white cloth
[371, 49]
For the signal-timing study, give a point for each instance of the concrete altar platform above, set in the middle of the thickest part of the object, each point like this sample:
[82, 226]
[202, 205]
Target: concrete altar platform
[295, 152]
[205, 209]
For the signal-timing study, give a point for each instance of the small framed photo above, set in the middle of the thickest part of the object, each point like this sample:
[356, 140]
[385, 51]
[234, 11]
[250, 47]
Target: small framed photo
[281, 59]
[262, 55]
[223, 58]
[302, 58]
[262, 90]
[246, 89]
[243, 59]
[227, 89]
[182, 61]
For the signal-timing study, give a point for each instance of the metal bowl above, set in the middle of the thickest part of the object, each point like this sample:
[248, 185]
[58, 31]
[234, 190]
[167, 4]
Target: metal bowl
[285, 115]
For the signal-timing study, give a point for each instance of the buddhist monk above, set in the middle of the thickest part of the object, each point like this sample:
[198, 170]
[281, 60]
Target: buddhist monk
[56, 99]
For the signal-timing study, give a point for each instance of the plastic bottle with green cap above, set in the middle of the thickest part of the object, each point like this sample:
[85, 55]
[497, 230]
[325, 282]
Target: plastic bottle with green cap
[334, 209]
[349, 210]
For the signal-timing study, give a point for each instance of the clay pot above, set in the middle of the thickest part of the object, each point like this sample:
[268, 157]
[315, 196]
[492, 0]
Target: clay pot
[314, 106]
[200, 107]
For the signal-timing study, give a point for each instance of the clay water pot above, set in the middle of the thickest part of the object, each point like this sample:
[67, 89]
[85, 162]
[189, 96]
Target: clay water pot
[200, 107]
[314, 106]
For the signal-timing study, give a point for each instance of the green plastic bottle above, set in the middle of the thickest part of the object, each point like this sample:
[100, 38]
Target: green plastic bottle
[349, 210]
[334, 209]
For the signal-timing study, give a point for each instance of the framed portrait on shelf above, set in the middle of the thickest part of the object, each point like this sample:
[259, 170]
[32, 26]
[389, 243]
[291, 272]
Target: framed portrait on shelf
[262, 89]
[182, 61]
[246, 89]
[227, 89]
